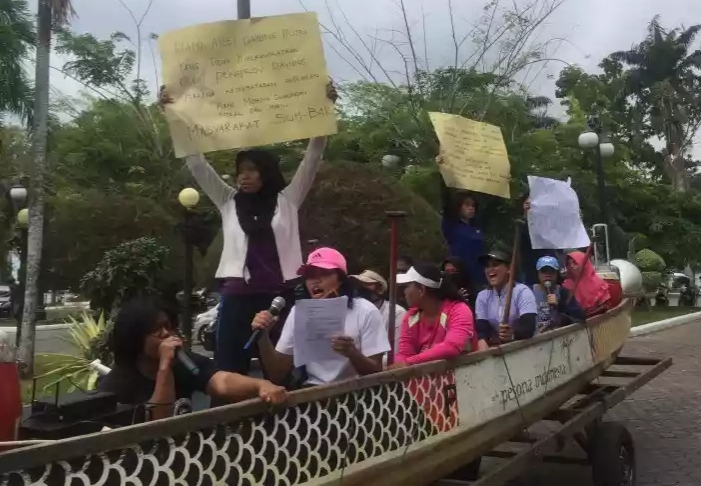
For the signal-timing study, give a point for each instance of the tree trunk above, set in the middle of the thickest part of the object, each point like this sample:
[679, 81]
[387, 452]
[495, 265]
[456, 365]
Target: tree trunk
[36, 187]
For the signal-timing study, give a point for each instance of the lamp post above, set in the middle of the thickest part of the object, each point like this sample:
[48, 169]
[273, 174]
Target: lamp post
[17, 296]
[188, 199]
[590, 139]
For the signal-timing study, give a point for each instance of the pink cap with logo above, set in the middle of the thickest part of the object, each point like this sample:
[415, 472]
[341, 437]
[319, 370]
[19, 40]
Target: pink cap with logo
[326, 258]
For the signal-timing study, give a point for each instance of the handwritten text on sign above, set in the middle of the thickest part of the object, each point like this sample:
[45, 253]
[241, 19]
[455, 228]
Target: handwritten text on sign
[245, 83]
[474, 155]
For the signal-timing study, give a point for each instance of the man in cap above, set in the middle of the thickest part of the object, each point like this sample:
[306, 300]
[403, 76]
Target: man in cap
[373, 287]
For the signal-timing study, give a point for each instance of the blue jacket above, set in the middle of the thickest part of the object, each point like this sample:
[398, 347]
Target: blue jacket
[466, 241]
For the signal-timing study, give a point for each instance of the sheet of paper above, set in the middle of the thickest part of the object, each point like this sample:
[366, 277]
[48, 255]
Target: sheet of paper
[317, 322]
[243, 83]
[554, 221]
[474, 155]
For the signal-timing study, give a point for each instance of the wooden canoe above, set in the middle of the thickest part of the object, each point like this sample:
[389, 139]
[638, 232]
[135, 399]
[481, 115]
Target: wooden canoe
[410, 426]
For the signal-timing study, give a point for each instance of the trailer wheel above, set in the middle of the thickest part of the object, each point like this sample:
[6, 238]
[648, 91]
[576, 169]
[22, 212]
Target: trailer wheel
[612, 455]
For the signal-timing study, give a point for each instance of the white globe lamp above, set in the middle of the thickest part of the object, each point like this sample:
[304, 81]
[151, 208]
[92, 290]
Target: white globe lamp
[189, 197]
[606, 149]
[588, 140]
[390, 161]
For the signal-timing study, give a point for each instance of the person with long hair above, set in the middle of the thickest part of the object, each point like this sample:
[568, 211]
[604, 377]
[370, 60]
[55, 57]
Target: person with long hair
[262, 249]
[144, 343]
[361, 347]
[589, 289]
[438, 324]
[461, 228]
[492, 329]
[456, 271]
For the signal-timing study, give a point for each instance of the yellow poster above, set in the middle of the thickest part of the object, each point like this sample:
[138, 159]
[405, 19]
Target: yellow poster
[243, 83]
[474, 155]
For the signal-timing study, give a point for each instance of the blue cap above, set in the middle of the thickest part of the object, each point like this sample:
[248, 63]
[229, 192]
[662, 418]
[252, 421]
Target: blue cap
[547, 261]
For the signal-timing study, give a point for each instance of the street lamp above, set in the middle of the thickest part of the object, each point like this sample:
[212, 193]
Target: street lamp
[590, 139]
[18, 298]
[18, 194]
[188, 199]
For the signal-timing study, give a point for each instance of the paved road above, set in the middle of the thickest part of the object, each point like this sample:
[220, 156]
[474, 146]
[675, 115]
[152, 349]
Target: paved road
[664, 417]
[48, 341]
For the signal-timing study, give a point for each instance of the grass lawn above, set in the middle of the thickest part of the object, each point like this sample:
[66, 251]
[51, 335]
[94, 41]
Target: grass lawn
[40, 367]
[645, 316]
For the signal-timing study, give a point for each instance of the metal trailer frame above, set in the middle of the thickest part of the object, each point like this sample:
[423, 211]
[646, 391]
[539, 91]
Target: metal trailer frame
[608, 445]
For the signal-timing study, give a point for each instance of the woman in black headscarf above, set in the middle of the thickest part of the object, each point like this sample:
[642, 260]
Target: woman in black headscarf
[262, 250]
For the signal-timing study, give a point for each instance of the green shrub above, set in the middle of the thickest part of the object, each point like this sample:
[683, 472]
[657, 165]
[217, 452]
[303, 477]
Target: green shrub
[649, 261]
[651, 281]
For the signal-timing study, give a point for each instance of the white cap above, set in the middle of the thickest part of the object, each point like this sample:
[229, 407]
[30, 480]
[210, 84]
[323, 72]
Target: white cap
[413, 276]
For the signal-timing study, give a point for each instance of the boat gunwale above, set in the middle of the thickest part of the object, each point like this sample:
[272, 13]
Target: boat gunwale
[100, 442]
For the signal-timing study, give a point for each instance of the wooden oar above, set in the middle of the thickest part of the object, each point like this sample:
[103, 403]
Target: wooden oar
[394, 217]
[513, 268]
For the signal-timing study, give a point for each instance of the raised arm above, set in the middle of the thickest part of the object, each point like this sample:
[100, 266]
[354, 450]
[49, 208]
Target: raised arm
[303, 179]
[208, 179]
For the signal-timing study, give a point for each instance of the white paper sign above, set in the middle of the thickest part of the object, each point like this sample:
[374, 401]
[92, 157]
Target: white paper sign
[554, 221]
[317, 322]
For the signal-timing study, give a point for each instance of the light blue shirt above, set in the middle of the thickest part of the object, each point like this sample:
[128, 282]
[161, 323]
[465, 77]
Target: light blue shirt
[490, 305]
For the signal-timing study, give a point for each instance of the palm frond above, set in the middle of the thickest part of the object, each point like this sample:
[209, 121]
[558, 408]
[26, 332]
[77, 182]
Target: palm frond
[688, 36]
[61, 11]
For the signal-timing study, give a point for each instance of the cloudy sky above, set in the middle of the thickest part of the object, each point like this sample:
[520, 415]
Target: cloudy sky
[580, 32]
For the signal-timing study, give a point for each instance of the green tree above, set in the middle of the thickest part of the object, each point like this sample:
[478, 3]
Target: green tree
[17, 37]
[663, 78]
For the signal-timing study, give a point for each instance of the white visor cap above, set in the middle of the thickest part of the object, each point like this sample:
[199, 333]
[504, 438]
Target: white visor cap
[413, 276]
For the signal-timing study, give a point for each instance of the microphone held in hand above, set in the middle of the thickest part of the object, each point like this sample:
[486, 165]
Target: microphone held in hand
[187, 362]
[548, 287]
[276, 307]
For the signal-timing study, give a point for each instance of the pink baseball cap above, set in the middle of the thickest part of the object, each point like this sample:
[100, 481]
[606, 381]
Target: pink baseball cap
[326, 258]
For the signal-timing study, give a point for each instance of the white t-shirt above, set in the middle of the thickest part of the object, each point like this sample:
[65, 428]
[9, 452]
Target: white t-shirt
[364, 324]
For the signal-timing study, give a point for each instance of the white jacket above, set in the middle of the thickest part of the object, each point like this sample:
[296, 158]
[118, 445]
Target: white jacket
[285, 221]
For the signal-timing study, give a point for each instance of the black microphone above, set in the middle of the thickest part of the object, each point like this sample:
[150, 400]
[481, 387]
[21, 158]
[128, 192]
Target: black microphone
[187, 362]
[548, 287]
[276, 307]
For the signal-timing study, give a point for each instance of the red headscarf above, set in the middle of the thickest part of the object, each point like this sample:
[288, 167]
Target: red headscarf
[592, 292]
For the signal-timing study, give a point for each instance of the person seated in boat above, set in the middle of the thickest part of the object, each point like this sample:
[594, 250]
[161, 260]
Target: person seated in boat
[148, 372]
[455, 270]
[556, 305]
[373, 287]
[359, 349]
[438, 325]
[590, 290]
[528, 255]
[489, 307]
[404, 263]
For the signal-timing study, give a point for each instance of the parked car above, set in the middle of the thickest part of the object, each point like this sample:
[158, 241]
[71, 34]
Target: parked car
[5, 301]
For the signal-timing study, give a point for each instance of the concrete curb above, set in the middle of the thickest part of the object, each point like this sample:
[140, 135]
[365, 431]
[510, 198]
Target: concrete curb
[664, 324]
[40, 328]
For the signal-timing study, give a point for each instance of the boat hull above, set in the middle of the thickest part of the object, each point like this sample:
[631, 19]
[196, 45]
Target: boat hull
[412, 425]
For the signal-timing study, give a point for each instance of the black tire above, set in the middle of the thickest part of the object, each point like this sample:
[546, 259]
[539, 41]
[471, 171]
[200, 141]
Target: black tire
[612, 455]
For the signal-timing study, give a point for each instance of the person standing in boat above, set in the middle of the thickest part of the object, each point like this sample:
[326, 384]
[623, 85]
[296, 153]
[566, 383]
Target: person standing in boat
[373, 287]
[589, 289]
[489, 307]
[360, 349]
[461, 230]
[438, 325]
[557, 307]
[262, 249]
[147, 373]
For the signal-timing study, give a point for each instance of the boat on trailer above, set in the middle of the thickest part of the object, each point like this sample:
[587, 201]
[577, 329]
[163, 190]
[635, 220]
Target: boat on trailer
[411, 426]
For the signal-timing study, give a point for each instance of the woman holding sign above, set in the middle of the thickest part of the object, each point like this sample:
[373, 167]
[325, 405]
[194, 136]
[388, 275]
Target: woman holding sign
[262, 249]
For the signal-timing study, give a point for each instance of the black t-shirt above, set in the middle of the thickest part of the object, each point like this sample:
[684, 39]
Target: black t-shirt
[133, 388]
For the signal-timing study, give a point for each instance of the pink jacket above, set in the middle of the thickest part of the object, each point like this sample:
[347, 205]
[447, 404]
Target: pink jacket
[421, 342]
